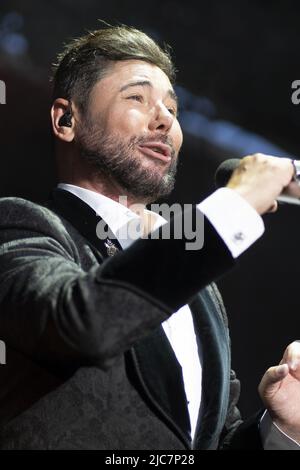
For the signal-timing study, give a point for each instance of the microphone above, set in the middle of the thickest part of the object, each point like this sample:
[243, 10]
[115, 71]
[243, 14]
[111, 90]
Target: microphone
[225, 170]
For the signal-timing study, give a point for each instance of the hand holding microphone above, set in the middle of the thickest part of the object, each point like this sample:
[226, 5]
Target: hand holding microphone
[261, 179]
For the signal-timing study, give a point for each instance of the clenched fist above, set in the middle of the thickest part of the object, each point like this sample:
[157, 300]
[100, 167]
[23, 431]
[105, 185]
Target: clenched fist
[261, 178]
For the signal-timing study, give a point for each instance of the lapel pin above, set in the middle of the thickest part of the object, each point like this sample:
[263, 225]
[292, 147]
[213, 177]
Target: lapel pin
[111, 248]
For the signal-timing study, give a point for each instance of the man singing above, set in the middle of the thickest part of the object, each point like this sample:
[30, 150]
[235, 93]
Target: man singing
[117, 343]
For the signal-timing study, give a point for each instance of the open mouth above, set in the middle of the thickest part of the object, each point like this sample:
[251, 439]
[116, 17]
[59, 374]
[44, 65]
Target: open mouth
[157, 150]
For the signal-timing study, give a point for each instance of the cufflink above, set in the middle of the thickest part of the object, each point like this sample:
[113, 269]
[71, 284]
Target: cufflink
[239, 237]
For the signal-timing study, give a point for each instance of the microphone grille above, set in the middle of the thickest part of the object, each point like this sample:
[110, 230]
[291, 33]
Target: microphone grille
[225, 170]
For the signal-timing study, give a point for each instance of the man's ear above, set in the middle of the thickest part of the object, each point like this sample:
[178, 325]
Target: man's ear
[62, 120]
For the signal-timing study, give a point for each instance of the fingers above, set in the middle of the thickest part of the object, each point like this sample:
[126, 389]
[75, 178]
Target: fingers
[293, 189]
[271, 380]
[275, 165]
[276, 373]
[274, 207]
[283, 164]
[260, 179]
[292, 356]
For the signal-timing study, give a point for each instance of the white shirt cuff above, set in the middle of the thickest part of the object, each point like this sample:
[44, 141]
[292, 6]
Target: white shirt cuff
[236, 221]
[273, 438]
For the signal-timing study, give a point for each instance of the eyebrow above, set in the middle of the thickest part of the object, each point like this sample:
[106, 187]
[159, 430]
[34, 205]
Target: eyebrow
[171, 93]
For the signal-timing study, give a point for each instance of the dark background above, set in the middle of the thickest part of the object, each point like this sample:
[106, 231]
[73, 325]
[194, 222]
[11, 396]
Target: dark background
[236, 62]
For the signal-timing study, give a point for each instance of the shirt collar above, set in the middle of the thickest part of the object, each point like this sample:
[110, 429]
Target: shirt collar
[122, 221]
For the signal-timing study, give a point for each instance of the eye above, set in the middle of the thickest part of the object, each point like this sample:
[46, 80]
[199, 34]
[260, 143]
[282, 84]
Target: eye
[136, 98]
[173, 111]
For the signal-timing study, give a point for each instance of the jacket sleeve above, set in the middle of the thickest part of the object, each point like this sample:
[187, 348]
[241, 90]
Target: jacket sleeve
[244, 435]
[52, 309]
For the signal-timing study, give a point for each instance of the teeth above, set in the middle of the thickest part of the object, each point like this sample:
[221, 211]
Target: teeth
[158, 150]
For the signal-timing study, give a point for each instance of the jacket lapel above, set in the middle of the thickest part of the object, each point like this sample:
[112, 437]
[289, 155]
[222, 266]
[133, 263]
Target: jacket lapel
[83, 218]
[151, 363]
[213, 336]
[160, 376]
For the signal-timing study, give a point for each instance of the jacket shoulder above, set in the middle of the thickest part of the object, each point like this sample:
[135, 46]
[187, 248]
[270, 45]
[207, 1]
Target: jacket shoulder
[22, 211]
[25, 217]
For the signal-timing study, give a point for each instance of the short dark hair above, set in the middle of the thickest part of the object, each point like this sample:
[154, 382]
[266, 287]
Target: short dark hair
[85, 60]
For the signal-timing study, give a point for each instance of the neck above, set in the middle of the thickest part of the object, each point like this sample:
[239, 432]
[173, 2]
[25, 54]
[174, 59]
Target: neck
[72, 170]
[107, 188]
[113, 191]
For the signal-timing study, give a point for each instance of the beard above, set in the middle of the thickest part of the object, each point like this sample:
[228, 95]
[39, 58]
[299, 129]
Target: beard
[118, 160]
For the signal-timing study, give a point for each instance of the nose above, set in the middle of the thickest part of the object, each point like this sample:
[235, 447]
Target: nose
[162, 119]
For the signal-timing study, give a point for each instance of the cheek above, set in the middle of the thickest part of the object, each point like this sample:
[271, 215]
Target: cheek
[177, 135]
[129, 121]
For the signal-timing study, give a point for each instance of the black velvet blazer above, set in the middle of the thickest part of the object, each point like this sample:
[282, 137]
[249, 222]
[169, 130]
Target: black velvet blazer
[88, 363]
